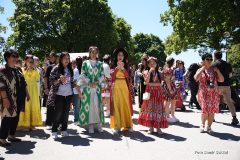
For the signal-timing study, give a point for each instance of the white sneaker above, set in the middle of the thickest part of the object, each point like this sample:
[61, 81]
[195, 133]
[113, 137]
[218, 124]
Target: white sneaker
[175, 119]
[100, 130]
[130, 129]
[115, 131]
[54, 135]
[65, 134]
[159, 131]
[150, 131]
[91, 130]
[209, 130]
[171, 120]
[201, 129]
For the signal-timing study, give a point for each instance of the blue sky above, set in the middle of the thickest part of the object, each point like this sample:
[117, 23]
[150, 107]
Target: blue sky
[142, 15]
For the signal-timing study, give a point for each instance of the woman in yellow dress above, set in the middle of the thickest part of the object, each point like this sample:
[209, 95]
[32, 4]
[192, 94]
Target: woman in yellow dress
[121, 104]
[31, 116]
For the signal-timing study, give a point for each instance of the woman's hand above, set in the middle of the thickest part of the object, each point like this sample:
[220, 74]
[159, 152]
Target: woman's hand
[92, 85]
[62, 78]
[28, 97]
[80, 95]
[6, 103]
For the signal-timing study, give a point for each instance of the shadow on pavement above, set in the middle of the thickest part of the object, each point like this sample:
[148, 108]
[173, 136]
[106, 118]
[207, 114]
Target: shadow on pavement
[1, 158]
[74, 141]
[228, 124]
[137, 136]
[38, 134]
[104, 135]
[184, 125]
[225, 136]
[171, 137]
[24, 147]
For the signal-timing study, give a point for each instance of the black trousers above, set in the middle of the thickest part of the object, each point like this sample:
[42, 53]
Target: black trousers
[8, 125]
[49, 115]
[194, 90]
[61, 112]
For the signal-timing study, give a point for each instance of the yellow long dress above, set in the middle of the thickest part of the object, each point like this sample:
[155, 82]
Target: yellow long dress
[121, 117]
[31, 117]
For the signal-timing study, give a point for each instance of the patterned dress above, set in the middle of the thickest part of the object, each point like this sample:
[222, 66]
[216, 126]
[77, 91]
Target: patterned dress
[153, 112]
[8, 84]
[208, 98]
[91, 111]
[167, 95]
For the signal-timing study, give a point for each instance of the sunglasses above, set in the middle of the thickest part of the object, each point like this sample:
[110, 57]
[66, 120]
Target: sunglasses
[209, 59]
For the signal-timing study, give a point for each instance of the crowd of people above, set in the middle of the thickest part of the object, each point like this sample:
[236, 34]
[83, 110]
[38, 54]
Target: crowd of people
[98, 89]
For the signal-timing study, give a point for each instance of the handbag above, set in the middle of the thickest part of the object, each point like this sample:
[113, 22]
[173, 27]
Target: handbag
[146, 96]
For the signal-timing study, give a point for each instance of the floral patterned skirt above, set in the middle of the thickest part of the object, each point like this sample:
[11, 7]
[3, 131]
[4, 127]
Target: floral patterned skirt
[153, 111]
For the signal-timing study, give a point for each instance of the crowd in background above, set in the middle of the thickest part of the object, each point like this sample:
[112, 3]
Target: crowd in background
[96, 89]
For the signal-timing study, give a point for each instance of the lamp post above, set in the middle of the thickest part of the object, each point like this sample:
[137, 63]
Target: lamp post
[226, 36]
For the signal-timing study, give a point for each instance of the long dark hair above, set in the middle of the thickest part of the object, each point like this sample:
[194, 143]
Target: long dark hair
[79, 62]
[61, 67]
[28, 56]
[146, 67]
[125, 59]
[156, 72]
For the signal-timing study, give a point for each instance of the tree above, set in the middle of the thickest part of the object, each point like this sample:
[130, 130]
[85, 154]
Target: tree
[201, 23]
[71, 25]
[234, 55]
[2, 29]
[149, 44]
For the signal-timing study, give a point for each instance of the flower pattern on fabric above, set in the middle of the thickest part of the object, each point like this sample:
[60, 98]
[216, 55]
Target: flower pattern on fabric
[209, 98]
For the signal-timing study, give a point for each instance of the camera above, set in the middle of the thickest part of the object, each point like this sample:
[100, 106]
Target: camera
[210, 84]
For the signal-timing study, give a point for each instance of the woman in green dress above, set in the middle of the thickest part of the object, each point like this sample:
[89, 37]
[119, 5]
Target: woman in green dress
[91, 113]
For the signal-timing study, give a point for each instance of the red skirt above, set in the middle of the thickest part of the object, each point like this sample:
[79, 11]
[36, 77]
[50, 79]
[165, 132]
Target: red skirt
[153, 111]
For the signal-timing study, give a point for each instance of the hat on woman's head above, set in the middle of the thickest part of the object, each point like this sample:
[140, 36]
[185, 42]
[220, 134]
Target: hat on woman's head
[206, 55]
[117, 50]
[169, 58]
[152, 58]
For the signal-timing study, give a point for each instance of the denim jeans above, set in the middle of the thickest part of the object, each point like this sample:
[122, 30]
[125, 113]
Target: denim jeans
[76, 105]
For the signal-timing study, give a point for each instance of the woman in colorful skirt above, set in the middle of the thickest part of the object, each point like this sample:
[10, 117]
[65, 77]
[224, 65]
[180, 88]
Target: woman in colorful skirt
[91, 113]
[152, 113]
[170, 91]
[121, 104]
[208, 95]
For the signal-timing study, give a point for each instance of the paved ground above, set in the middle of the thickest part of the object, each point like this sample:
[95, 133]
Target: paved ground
[181, 141]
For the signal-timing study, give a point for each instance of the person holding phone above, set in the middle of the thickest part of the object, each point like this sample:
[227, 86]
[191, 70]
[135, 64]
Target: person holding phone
[208, 94]
[31, 116]
[121, 100]
[152, 113]
[61, 93]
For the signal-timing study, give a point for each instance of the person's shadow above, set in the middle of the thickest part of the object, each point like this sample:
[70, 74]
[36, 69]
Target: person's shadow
[37, 133]
[24, 147]
[184, 125]
[104, 135]
[137, 136]
[170, 137]
[225, 136]
[74, 141]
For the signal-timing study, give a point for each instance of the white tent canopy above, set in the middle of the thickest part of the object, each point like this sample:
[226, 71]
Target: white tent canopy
[73, 56]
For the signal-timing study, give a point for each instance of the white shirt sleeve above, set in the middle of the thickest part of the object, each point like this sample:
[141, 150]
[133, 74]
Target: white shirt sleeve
[107, 70]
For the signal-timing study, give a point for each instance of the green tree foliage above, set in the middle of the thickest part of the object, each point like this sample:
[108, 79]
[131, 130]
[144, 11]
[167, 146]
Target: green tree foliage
[234, 55]
[149, 44]
[71, 25]
[2, 29]
[201, 23]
